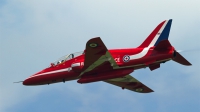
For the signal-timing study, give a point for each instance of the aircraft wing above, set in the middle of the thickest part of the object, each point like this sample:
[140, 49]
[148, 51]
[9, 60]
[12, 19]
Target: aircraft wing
[97, 57]
[130, 83]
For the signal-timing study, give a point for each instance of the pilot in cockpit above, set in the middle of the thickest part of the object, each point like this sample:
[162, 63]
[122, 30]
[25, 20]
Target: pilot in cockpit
[72, 55]
[67, 57]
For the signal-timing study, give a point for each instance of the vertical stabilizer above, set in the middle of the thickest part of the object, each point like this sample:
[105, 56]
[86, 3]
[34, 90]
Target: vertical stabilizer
[160, 33]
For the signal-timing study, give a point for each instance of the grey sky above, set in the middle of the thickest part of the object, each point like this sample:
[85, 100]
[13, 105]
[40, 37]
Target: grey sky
[35, 33]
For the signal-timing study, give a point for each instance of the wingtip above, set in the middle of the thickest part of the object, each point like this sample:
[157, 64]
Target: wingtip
[189, 64]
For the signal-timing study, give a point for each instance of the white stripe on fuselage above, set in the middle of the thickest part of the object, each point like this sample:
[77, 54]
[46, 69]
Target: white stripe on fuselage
[142, 64]
[51, 72]
[145, 50]
[132, 57]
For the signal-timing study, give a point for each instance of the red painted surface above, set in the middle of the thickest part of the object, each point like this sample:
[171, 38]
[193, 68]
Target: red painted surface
[105, 75]
[66, 70]
[48, 76]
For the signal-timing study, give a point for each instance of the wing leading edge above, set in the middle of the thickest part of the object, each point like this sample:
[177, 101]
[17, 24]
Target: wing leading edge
[130, 83]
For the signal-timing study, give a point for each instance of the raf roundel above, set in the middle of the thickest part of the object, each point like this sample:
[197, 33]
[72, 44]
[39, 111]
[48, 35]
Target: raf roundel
[93, 45]
[139, 89]
[126, 58]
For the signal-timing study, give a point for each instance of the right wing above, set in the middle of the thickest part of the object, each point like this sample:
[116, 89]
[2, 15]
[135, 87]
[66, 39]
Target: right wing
[130, 83]
[97, 57]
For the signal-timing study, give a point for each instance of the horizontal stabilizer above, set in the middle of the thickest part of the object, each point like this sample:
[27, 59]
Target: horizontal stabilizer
[180, 59]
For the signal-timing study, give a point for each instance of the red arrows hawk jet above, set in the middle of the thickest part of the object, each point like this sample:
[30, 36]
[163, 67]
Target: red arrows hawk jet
[114, 66]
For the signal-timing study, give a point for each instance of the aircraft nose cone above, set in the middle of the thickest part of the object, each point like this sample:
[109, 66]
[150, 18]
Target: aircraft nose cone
[26, 82]
[29, 81]
[34, 79]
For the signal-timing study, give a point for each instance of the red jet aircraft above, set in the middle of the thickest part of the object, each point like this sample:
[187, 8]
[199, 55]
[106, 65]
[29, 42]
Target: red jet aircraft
[114, 66]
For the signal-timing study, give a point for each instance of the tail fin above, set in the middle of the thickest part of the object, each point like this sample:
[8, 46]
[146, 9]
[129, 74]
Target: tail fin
[160, 33]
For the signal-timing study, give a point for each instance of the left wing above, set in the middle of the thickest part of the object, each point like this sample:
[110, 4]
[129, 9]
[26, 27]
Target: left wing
[97, 57]
[129, 82]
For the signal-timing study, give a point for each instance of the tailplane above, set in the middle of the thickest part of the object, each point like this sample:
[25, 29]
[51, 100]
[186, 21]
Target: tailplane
[164, 45]
[159, 40]
[180, 59]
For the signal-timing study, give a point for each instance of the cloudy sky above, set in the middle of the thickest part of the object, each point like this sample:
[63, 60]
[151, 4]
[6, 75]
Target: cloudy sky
[35, 33]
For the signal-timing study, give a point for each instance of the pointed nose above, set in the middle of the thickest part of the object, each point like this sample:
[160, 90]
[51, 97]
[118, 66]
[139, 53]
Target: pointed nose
[32, 80]
[27, 82]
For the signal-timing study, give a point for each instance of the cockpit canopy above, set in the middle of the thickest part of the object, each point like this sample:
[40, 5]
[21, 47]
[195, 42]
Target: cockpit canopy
[67, 57]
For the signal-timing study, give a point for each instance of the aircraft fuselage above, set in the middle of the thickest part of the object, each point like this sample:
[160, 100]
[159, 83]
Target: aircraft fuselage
[126, 59]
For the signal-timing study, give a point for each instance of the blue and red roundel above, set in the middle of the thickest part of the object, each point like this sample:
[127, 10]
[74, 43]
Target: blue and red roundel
[126, 58]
